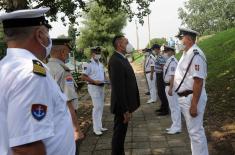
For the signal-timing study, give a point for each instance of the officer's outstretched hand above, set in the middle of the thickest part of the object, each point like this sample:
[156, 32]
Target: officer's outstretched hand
[97, 82]
[193, 110]
[127, 117]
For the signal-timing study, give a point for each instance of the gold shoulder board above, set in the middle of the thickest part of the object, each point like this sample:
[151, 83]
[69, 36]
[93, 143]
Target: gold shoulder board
[38, 68]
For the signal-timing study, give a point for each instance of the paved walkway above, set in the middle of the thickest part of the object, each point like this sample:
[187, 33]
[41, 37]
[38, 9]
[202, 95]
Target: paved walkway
[146, 132]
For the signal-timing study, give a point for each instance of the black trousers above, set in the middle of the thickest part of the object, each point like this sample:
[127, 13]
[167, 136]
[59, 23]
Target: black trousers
[161, 93]
[119, 135]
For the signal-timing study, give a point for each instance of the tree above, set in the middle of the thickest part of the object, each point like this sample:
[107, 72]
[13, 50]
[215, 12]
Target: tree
[206, 16]
[2, 43]
[159, 41]
[1, 32]
[100, 28]
[78, 54]
[72, 11]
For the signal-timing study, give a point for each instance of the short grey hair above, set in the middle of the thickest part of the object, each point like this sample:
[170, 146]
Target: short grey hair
[18, 34]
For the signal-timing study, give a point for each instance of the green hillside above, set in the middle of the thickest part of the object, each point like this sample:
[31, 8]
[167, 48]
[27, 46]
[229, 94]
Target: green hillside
[220, 111]
[220, 53]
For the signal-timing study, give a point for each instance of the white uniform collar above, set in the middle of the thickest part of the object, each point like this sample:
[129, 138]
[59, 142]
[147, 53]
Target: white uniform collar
[190, 50]
[92, 60]
[23, 53]
[20, 52]
[172, 57]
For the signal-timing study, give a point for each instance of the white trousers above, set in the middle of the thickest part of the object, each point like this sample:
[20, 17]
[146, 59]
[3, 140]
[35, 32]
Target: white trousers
[195, 124]
[175, 111]
[97, 97]
[152, 86]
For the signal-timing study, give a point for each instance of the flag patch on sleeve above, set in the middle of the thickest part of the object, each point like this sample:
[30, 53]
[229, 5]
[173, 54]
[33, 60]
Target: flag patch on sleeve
[197, 67]
[69, 79]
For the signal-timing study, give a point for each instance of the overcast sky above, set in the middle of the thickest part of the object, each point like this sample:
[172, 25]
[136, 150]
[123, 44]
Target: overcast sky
[164, 22]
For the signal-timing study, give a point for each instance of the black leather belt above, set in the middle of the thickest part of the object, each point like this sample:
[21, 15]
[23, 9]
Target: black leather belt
[185, 93]
[147, 72]
[166, 84]
[101, 84]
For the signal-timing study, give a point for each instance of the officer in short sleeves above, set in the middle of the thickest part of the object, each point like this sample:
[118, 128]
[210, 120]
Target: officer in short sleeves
[93, 73]
[190, 79]
[37, 119]
[168, 75]
[61, 73]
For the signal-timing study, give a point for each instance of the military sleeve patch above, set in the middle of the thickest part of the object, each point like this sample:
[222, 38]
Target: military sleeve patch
[172, 69]
[38, 68]
[85, 68]
[39, 111]
[69, 79]
[197, 67]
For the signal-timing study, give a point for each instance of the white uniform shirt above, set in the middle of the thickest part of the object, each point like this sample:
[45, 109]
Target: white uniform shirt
[34, 106]
[169, 68]
[4, 139]
[94, 70]
[198, 69]
[149, 63]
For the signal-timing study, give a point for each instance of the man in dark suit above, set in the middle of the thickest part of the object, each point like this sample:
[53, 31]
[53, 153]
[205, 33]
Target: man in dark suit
[124, 92]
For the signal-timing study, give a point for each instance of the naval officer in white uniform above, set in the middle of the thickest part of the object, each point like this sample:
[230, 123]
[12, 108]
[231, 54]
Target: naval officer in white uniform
[36, 120]
[151, 76]
[94, 74]
[190, 80]
[168, 75]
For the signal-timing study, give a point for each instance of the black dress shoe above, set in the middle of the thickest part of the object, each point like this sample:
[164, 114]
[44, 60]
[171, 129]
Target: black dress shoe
[163, 113]
[158, 110]
[147, 93]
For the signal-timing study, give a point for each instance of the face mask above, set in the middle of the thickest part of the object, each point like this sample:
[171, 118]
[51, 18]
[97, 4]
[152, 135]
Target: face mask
[97, 56]
[48, 48]
[66, 60]
[146, 54]
[181, 46]
[129, 48]
[165, 55]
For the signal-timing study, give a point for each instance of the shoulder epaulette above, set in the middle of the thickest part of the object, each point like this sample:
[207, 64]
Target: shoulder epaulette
[195, 51]
[172, 59]
[38, 68]
[65, 67]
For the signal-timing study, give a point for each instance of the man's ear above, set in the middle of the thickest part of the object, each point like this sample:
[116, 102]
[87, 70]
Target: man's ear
[39, 36]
